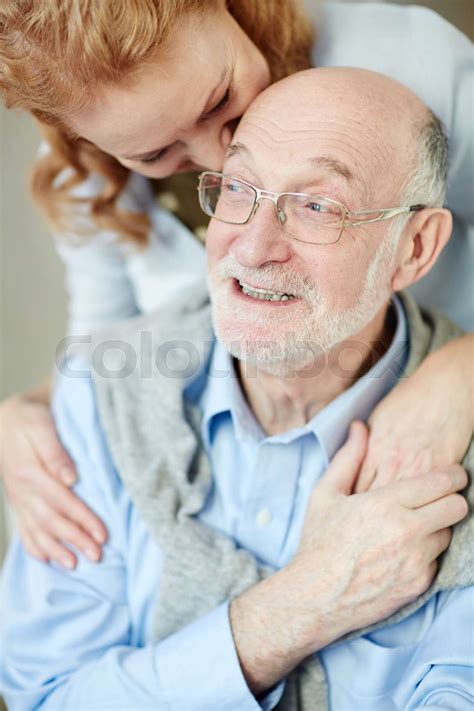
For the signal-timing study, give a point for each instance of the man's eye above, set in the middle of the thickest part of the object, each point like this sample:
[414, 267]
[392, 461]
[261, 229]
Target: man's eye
[233, 187]
[220, 106]
[315, 207]
[157, 157]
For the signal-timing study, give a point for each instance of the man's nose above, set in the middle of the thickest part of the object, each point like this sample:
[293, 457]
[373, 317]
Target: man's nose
[261, 240]
[209, 145]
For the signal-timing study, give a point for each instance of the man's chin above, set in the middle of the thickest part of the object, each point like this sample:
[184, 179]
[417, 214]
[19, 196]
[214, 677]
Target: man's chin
[242, 333]
[258, 358]
[269, 352]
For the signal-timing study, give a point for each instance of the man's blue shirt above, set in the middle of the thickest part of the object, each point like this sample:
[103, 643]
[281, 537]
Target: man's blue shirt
[82, 639]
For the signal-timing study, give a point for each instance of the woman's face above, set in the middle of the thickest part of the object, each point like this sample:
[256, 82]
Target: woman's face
[179, 113]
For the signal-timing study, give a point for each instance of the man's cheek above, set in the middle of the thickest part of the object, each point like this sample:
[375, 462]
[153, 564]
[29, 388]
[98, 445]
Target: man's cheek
[217, 250]
[210, 251]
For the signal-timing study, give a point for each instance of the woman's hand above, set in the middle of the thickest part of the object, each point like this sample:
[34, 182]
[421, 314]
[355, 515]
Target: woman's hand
[426, 421]
[37, 472]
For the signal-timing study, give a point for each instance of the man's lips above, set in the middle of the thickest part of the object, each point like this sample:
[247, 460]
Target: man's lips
[260, 293]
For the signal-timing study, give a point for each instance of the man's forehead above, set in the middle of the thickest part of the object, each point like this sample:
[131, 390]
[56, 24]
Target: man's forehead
[327, 162]
[344, 153]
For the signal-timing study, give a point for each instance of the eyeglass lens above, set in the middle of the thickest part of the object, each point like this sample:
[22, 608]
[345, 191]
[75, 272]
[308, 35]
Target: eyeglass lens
[309, 219]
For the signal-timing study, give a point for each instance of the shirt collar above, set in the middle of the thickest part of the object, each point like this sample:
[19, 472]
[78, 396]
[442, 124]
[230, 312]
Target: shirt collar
[223, 395]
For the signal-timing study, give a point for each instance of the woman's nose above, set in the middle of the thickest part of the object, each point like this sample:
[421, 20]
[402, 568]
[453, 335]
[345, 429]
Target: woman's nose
[210, 144]
[261, 240]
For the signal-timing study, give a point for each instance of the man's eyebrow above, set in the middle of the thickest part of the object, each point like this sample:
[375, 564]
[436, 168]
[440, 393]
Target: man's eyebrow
[236, 149]
[325, 161]
[209, 100]
[332, 164]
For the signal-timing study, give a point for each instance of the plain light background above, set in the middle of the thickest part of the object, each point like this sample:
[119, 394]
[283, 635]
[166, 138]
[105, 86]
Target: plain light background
[32, 298]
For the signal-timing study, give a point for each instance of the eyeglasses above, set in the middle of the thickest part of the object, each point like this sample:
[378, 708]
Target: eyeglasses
[306, 218]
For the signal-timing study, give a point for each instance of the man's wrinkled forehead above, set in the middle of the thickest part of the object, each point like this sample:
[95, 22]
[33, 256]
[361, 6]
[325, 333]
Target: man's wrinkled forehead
[354, 124]
[327, 162]
[283, 156]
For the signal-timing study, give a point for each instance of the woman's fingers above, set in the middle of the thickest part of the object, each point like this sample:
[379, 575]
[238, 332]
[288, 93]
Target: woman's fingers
[30, 546]
[37, 472]
[51, 453]
[58, 512]
[44, 547]
[55, 510]
[50, 544]
[70, 533]
[55, 551]
[71, 507]
[427, 488]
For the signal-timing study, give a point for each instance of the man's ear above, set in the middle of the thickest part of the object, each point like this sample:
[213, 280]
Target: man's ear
[425, 235]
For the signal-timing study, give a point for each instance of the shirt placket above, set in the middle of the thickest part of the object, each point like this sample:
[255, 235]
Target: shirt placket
[269, 498]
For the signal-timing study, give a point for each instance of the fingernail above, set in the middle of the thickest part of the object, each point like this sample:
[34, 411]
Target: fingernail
[98, 535]
[67, 563]
[68, 476]
[92, 555]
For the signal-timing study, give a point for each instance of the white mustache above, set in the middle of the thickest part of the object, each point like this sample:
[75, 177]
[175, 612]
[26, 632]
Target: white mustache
[275, 278]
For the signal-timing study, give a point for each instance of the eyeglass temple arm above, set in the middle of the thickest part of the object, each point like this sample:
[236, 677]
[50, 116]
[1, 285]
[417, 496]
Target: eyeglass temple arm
[383, 214]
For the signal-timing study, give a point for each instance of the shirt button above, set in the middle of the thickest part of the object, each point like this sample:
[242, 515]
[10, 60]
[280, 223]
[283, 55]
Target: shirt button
[200, 233]
[264, 517]
[168, 201]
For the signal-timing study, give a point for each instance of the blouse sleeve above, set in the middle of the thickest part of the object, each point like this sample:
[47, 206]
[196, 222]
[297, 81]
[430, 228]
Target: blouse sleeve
[97, 279]
[97, 284]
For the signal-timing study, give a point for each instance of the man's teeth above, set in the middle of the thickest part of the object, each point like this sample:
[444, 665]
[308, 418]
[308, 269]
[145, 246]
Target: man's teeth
[263, 294]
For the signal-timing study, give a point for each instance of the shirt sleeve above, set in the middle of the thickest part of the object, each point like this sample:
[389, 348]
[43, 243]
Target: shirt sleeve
[80, 639]
[448, 701]
[440, 674]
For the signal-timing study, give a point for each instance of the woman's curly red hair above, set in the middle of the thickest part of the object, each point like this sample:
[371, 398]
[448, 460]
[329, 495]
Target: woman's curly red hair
[54, 54]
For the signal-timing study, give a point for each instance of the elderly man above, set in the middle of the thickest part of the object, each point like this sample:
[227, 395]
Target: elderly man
[233, 564]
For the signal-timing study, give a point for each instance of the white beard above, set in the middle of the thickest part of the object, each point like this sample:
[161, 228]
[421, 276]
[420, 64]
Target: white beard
[306, 330]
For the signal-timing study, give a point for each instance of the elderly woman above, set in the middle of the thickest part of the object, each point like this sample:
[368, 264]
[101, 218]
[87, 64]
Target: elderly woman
[124, 90]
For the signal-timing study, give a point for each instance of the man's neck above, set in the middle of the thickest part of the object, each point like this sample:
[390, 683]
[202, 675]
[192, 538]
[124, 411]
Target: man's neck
[282, 403]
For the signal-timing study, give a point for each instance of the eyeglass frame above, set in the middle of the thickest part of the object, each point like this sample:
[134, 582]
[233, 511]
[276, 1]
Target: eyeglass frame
[260, 194]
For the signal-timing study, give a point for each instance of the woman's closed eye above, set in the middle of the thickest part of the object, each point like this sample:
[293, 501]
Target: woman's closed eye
[213, 112]
[218, 107]
[157, 156]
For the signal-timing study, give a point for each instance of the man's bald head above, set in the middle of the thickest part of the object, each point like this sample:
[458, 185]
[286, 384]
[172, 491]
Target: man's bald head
[396, 133]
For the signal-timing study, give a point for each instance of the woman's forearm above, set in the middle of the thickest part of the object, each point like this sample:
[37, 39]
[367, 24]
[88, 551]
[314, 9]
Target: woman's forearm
[426, 420]
[458, 356]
